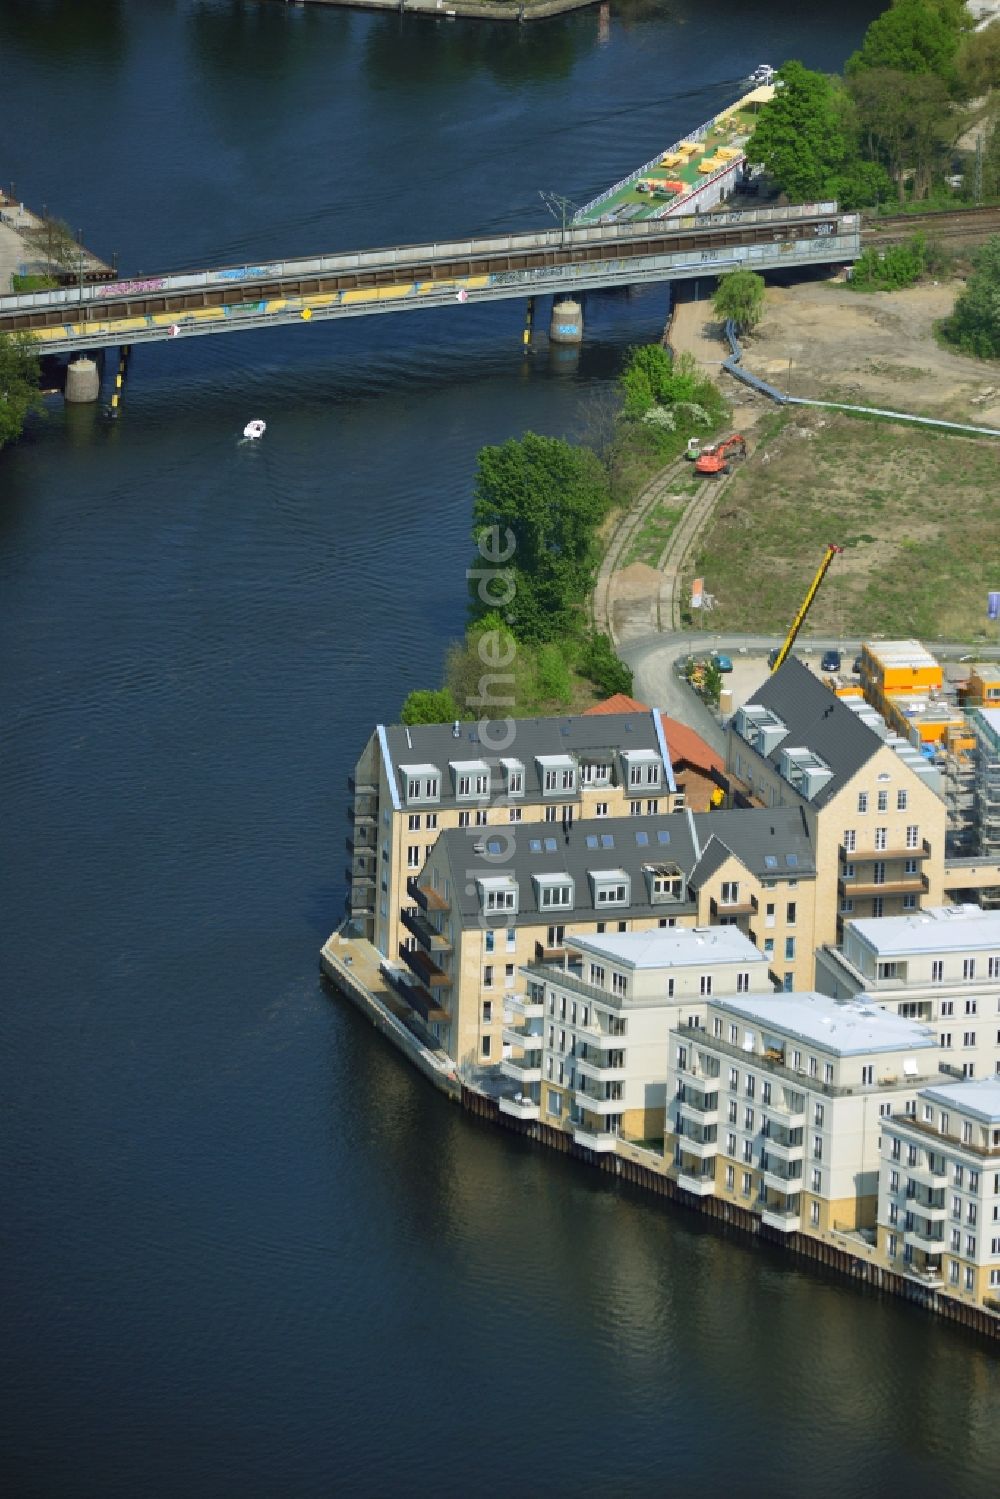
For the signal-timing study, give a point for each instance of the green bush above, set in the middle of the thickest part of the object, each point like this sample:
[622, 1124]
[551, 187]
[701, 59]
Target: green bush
[974, 325]
[600, 665]
[892, 269]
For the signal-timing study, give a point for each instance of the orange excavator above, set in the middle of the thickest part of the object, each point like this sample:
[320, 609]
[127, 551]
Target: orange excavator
[716, 460]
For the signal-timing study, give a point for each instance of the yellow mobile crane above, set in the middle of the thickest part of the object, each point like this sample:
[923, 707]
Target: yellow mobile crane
[797, 623]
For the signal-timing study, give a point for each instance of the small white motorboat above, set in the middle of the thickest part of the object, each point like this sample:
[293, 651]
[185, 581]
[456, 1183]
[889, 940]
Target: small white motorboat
[255, 429]
[763, 74]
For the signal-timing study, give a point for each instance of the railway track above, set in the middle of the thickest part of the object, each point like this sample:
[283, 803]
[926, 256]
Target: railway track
[960, 226]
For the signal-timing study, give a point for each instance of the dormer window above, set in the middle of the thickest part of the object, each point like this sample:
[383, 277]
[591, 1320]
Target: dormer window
[611, 887]
[643, 767]
[422, 782]
[557, 774]
[555, 892]
[472, 779]
[498, 896]
[596, 773]
[513, 777]
[666, 882]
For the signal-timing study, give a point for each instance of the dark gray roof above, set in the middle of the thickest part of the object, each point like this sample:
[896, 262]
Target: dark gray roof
[817, 720]
[773, 843]
[578, 734]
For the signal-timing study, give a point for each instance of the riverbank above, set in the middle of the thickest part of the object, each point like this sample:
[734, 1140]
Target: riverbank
[520, 11]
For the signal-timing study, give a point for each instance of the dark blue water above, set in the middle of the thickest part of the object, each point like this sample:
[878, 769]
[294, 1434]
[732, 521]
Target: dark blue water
[245, 1251]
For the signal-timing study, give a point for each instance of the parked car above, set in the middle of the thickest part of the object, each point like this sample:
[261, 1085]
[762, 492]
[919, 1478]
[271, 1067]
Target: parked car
[856, 668]
[830, 661]
[723, 662]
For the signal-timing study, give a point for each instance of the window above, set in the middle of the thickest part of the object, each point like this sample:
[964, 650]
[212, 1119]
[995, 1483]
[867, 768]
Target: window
[813, 1067]
[730, 1178]
[867, 1075]
[730, 1144]
[883, 801]
[862, 801]
[816, 1179]
[555, 895]
[747, 1183]
[846, 906]
[893, 1181]
[788, 983]
[652, 808]
[901, 799]
[769, 913]
[463, 819]
[619, 984]
[481, 817]
[733, 1111]
[818, 1114]
[514, 814]
[968, 968]
[487, 1045]
[730, 892]
[635, 809]
[487, 1011]
[881, 838]
[768, 947]
[706, 983]
[611, 893]
[748, 1150]
[743, 983]
[828, 1072]
[515, 782]
[508, 975]
[488, 976]
[789, 949]
[913, 836]
[968, 1038]
[850, 840]
[945, 1039]
[601, 809]
[909, 902]
[877, 906]
[891, 1244]
[790, 913]
[554, 1104]
[993, 968]
[947, 1007]
[817, 1147]
[748, 1119]
[413, 822]
[937, 970]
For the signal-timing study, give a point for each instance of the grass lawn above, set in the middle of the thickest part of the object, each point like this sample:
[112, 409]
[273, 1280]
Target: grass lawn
[915, 511]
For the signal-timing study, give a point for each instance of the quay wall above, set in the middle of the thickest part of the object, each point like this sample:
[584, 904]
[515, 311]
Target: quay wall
[520, 11]
[852, 1261]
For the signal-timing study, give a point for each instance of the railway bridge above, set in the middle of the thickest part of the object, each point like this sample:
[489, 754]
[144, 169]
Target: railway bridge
[560, 262]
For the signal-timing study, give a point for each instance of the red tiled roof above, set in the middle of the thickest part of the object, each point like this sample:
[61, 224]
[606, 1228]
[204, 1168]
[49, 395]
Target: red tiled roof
[685, 746]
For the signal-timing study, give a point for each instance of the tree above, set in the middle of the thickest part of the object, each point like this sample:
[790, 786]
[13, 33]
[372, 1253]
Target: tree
[711, 682]
[538, 503]
[862, 184]
[904, 120]
[974, 325]
[801, 136]
[913, 36]
[19, 394]
[600, 665]
[652, 377]
[428, 706]
[740, 296]
[978, 61]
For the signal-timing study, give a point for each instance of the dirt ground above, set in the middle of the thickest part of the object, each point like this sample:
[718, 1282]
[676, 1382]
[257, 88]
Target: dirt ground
[820, 339]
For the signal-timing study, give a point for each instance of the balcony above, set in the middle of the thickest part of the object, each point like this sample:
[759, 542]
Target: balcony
[526, 1071]
[520, 1107]
[787, 1150]
[870, 856]
[784, 1116]
[364, 787]
[785, 1186]
[698, 1183]
[697, 1075]
[546, 954]
[360, 843]
[927, 1204]
[529, 1009]
[515, 1035]
[427, 898]
[908, 884]
[601, 1140]
[595, 1105]
[924, 1176]
[599, 1073]
[429, 939]
[704, 1147]
[425, 1004]
[424, 967]
[720, 908]
[362, 816]
[925, 1240]
[704, 1110]
[361, 877]
[784, 1220]
[924, 1275]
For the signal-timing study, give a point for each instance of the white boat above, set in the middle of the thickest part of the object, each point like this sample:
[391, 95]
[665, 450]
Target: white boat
[762, 75]
[255, 429]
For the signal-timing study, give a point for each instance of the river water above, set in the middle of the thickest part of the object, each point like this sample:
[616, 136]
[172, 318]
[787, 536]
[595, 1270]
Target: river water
[246, 1252]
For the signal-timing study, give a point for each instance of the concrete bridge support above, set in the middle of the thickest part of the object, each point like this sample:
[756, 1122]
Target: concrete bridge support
[83, 381]
[566, 326]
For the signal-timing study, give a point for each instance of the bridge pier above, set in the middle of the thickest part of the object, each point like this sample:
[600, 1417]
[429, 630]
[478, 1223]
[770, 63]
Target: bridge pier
[529, 318]
[124, 355]
[566, 326]
[83, 381]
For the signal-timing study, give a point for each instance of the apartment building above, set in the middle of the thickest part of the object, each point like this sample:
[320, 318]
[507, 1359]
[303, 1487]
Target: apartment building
[875, 819]
[778, 1103]
[590, 1053]
[939, 1192]
[699, 772]
[484, 907]
[940, 966]
[412, 783]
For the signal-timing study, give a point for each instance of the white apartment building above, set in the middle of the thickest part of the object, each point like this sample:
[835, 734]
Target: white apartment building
[593, 1036]
[940, 966]
[777, 1105]
[939, 1192]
